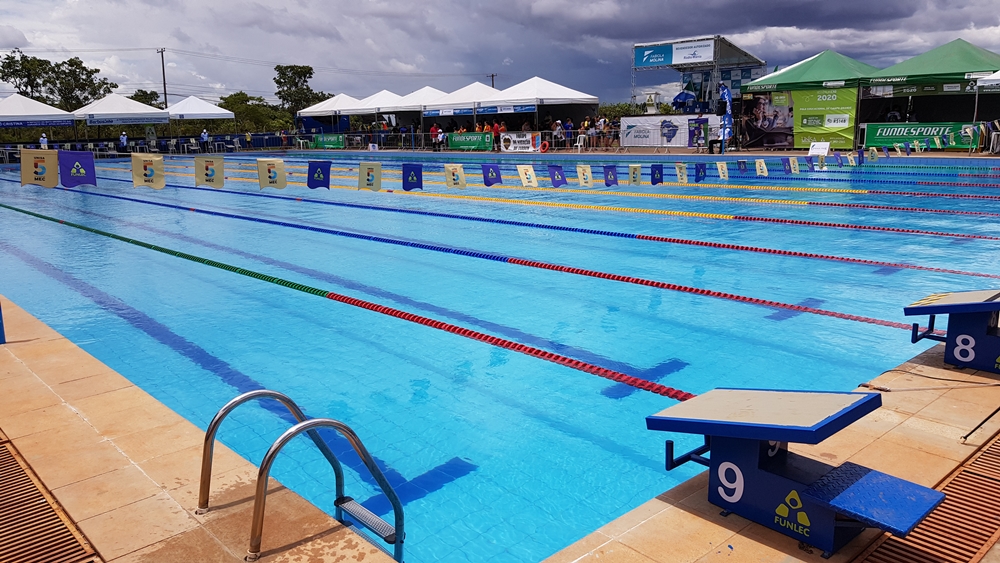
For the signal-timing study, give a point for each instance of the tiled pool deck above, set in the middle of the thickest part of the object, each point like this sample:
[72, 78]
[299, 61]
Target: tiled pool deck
[125, 468]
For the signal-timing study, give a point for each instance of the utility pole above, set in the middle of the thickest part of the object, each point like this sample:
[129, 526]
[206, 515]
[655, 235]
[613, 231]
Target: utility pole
[163, 69]
[492, 76]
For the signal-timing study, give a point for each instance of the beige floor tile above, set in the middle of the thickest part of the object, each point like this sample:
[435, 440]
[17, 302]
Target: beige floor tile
[25, 393]
[57, 361]
[109, 380]
[903, 462]
[578, 549]
[194, 546]
[957, 413]
[682, 533]
[837, 448]
[111, 490]
[686, 489]
[20, 326]
[228, 491]
[145, 523]
[102, 410]
[39, 420]
[10, 366]
[634, 517]
[333, 544]
[183, 467]
[144, 415]
[159, 440]
[616, 552]
[60, 468]
[908, 402]
[932, 437]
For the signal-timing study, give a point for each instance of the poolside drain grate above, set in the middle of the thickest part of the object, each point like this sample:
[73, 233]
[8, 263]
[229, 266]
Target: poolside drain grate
[33, 528]
[963, 528]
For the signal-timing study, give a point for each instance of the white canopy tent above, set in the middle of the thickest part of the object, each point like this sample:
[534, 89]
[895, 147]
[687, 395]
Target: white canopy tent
[115, 109]
[415, 101]
[537, 91]
[461, 101]
[19, 111]
[373, 104]
[991, 80]
[194, 107]
[328, 107]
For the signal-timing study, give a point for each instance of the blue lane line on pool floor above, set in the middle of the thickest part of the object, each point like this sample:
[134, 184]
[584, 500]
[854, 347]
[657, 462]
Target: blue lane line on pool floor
[655, 373]
[785, 314]
[407, 490]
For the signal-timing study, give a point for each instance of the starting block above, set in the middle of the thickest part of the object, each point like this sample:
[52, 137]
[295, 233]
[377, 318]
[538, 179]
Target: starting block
[752, 473]
[972, 339]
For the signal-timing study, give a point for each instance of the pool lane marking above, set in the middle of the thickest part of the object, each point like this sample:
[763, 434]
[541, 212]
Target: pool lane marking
[585, 367]
[502, 259]
[408, 490]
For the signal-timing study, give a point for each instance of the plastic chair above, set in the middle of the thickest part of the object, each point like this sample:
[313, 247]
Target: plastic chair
[581, 141]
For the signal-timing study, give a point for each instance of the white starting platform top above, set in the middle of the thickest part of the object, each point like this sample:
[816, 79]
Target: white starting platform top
[961, 302]
[804, 417]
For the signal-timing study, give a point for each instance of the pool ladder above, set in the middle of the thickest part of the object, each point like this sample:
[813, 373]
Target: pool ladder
[391, 534]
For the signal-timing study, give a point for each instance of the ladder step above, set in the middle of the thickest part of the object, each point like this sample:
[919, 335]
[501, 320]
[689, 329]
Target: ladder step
[367, 518]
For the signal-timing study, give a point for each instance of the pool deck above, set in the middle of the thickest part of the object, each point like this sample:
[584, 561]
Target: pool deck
[125, 467]
[914, 436]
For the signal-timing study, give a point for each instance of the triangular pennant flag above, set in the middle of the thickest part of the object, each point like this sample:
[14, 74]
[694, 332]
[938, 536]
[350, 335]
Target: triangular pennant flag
[413, 177]
[527, 174]
[786, 165]
[557, 175]
[318, 174]
[39, 167]
[699, 172]
[761, 167]
[147, 170]
[610, 175]
[723, 171]
[271, 173]
[370, 176]
[809, 163]
[76, 168]
[634, 174]
[584, 176]
[741, 165]
[491, 174]
[682, 172]
[794, 162]
[454, 176]
[209, 171]
[656, 174]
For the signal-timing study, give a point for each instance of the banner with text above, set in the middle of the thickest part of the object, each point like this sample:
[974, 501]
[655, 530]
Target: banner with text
[329, 141]
[885, 134]
[39, 167]
[660, 130]
[77, 168]
[271, 173]
[147, 170]
[825, 116]
[520, 142]
[209, 171]
[470, 141]
[370, 176]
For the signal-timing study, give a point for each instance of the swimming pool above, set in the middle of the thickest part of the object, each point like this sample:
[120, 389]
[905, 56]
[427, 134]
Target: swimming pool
[498, 455]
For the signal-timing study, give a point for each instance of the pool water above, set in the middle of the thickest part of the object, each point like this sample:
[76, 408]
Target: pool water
[497, 455]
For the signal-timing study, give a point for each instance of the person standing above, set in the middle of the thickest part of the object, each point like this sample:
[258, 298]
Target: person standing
[123, 141]
[204, 141]
[496, 135]
[568, 129]
[43, 142]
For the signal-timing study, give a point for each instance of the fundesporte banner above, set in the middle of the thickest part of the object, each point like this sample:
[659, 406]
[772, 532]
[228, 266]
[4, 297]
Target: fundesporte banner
[470, 141]
[886, 134]
[825, 116]
[329, 141]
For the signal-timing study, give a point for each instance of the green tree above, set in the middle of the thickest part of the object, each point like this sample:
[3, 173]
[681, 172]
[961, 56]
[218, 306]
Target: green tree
[27, 74]
[253, 113]
[71, 85]
[293, 88]
[148, 97]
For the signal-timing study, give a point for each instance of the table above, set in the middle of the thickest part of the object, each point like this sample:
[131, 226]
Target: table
[752, 473]
[973, 336]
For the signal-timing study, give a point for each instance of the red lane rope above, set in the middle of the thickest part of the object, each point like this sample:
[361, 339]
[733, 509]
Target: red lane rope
[858, 227]
[932, 194]
[979, 175]
[907, 209]
[959, 184]
[617, 376]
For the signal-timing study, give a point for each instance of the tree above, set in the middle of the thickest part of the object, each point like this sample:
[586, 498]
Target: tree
[293, 87]
[148, 97]
[71, 85]
[27, 74]
[253, 113]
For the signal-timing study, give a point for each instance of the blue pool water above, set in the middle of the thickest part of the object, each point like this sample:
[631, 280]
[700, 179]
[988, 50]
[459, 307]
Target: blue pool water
[497, 456]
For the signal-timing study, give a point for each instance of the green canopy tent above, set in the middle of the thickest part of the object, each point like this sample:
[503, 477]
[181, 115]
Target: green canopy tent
[937, 86]
[812, 100]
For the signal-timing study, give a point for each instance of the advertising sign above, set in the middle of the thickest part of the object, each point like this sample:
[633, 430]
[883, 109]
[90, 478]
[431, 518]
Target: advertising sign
[147, 170]
[693, 52]
[370, 175]
[584, 176]
[39, 167]
[329, 141]
[657, 55]
[470, 141]
[454, 176]
[209, 171]
[271, 173]
[886, 134]
[520, 142]
[698, 132]
[824, 116]
[768, 120]
[76, 168]
[527, 174]
[660, 130]
[22, 123]
[91, 120]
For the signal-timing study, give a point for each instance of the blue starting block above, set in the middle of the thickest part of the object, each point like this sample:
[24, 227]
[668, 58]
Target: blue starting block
[972, 339]
[752, 473]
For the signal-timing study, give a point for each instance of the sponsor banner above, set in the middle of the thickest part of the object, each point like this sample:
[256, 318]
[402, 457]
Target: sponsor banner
[413, 177]
[147, 170]
[506, 109]
[271, 173]
[908, 90]
[693, 52]
[682, 172]
[723, 171]
[660, 130]
[126, 120]
[584, 176]
[470, 141]
[39, 167]
[634, 174]
[77, 168]
[825, 116]
[491, 175]
[370, 176]
[19, 123]
[454, 176]
[527, 174]
[768, 119]
[557, 175]
[520, 142]
[209, 171]
[698, 132]
[329, 141]
[448, 112]
[887, 134]
[656, 55]
[610, 175]
[318, 174]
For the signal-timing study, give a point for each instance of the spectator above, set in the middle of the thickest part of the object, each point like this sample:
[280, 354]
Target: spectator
[568, 130]
[599, 127]
[43, 142]
[204, 141]
[496, 135]
[503, 126]
[479, 127]
[558, 136]
[123, 141]
[526, 126]
[249, 141]
[716, 141]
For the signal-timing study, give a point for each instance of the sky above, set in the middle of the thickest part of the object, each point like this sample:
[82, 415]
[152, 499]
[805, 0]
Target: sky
[363, 46]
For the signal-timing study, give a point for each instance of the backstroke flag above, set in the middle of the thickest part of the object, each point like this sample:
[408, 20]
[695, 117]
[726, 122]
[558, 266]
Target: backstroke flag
[209, 171]
[318, 174]
[635, 174]
[77, 168]
[787, 165]
[491, 174]
[682, 172]
[39, 167]
[699, 172]
[809, 163]
[370, 176]
[527, 173]
[742, 166]
[723, 171]
[147, 170]
[794, 162]
[761, 167]
[454, 176]
[610, 175]
[840, 159]
[557, 175]
[584, 176]
[413, 177]
[271, 173]
[656, 174]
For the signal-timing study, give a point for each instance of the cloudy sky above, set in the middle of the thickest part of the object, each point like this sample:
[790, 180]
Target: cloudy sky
[362, 46]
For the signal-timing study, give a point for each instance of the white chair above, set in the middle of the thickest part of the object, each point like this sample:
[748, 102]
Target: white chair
[193, 145]
[581, 141]
[172, 146]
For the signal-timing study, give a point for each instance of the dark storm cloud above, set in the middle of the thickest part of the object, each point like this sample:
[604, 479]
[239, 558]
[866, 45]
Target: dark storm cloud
[11, 37]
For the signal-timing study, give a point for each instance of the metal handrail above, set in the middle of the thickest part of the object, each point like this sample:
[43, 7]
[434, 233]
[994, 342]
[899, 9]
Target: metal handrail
[257, 528]
[213, 427]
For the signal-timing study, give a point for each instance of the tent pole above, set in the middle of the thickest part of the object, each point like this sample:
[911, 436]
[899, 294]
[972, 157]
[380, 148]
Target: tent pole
[975, 111]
